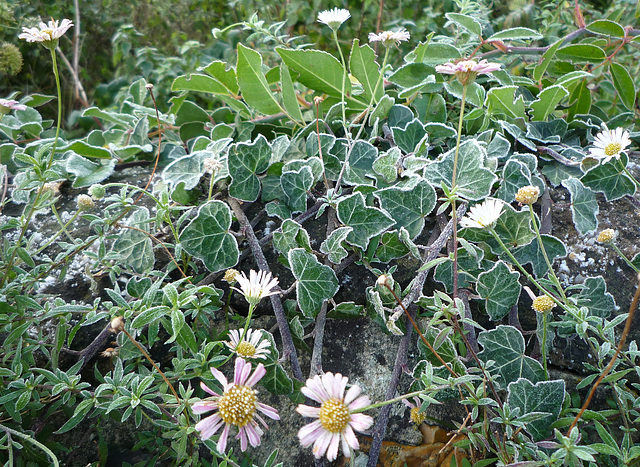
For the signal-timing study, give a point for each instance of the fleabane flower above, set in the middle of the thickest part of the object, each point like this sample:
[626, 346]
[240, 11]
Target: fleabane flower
[252, 346]
[7, 105]
[257, 286]
[334, 18]
[47, 34]
[483, 216]
[607, 236]
[609, 144]
[528, 194]
[543, 304]
[466, 71]
[237, 406]
[389, 38]
[336, 422]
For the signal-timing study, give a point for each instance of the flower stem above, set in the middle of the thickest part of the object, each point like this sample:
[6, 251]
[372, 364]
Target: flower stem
[57, 76]
[460, 120]
[34, 441]
[344, 79]
[397, 399]
[624, 257]
[543, 344]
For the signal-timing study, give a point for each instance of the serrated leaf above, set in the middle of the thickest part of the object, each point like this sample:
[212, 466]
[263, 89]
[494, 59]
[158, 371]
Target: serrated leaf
[467, 22]
[502, 101]
[500, 289]
[292, 235]
[610, 179]
[547, 101]
[289, 97]
[207, 237]
[362, 64]
[408, 205]
[87, 172]
[367, 222]
[474, 180]
[581, 53]
[245, 161]
[595, 297]
[519, 34]
[544, 396]
[584, 206]
[315, 282]
[253, 84]
[505, 346]
[532, 254]
[332, 246]
[134, 247]
[624, 85]
[295, 186]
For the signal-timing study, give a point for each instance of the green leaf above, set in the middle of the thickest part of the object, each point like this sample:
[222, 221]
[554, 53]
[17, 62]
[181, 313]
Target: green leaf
[367, 222]
[252, 82]
[292, 235]
[624, 85]
[346, 310]
[359, 170]
[225, 77]
[87, 150]
[207, 237]
[466, 22]
[606, 28]
[332, 246]
[584, 206]
[227, 90]
[134, 247]
[363, 66]
[594, 296]
[500, 289]
[502, 101]
[409, 137]
[289, 98]
[610, 179]
[149, 316]
[474, 181]
[541, 68]
[581, 99]
[433, 53]
[190, 168]
[390, 247]
[544, 396]
[468, 269]
[409, 204]
[245, 161]
[547, 101]
[515, 175]
[276, 381]
[315, 282]
[87, 172]
[515, 34]
[295, 186]
[581, 53]
[505, 346]
[532, 254]
[547, 132]
[387, 164]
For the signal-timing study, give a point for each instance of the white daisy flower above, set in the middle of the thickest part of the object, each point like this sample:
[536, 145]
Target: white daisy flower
[257, 286]
[389, 38]
[47, 34]
[483, 216]
[334, 18]
[252, 346]
[609, 144]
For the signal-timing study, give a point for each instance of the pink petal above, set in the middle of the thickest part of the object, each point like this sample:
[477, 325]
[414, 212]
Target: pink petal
[222, 379]
[359, 403]
[352, 393]
[222, 441]
[242, 370]
[243, 438]
[308, 411]
[268, 411]
[209, 426]
[204, 406]
[360, 421]
[315, 390]
[253, 434]
[322, 443]
[332, 450]
[349, 440]
[309, 433]
[208, 389]
[256, 376]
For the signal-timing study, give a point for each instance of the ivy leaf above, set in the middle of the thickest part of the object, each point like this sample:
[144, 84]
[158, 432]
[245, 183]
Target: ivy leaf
[276, 380]
[367, 222]
[513, 227]
[610, 179]
[532, 254]
[245, 160]
[547, 132]
[468, 269]
[544, 396]
[502, 101]
[474, 180]
[207, 237]
[387, 164]
[409, 137]
[515, 175]
[409, 204]
[594, 296]
[293, 235]
[359, 170]
[295, 186]
[332, 246]
[505, 346]
[500, 289]
[315, 282]
[363, 66]
[190, 168]
[547, 101]
[390, 247]
[584, 206]
[134, 247]
[87, 172]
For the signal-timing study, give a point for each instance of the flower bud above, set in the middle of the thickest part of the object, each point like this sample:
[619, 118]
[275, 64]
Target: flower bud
[607, 236]
[528, 194]
[543, 304]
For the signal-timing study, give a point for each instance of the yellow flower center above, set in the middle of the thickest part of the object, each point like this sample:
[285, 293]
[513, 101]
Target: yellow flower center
[543, 304]
[48, 32]
[612, 149]
[417, 417]
[334, 415]
[238, 405]
[246, 349]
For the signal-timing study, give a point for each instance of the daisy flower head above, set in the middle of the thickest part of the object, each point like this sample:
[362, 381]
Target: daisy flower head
[335, 422]
[483, 216]
[389, 38]
[543, 304]
[259, 285]
[251, 346]
[415, 416]
[528, 194]
[607, 236]
[237, 406]
[47, 34]
[609, 144]
[7, 105]
[466, 71]
[334, 18]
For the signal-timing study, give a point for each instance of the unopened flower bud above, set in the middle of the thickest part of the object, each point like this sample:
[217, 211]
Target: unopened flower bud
[528, 194]
[230, 276]
[149, 86]
[117, 324]
[543, 304]
[383, 280]
[607, 236]
[85, 203]
[97, 191]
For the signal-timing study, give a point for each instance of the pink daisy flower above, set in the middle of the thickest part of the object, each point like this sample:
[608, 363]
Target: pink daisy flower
[47, 34]
[238, 405]
[7, 105]
[251, 346]
[336, 422]
[467, 70]
[258, 286]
